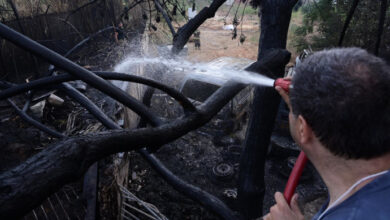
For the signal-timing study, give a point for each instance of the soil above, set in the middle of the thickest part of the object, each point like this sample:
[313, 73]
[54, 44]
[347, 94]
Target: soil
[217, 42]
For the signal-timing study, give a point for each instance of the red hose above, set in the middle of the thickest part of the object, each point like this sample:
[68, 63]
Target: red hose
[301, 160]
[294, 176]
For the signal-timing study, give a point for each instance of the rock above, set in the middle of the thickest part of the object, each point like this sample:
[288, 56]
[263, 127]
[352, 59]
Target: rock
[133, 175]
[55, 100]
[37, 109]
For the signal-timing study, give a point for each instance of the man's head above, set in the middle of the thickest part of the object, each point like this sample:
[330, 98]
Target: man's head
[344, 96]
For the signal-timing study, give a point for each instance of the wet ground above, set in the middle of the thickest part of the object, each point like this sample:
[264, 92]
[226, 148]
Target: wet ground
[209, 158]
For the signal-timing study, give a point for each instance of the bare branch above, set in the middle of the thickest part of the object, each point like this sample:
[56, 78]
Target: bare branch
[78, 71]
[16, 14]
[28, 184]
[53, 80]
[347, 21]
[129, 8]
[207, 200]
[158, 6]
[37, 124]
[381, 24]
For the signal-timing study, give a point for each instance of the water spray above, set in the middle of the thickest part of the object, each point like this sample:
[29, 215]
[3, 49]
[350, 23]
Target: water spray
[301, 161]
[205, 75]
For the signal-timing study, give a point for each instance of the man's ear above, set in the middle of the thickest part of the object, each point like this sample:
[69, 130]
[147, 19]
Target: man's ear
[304, 130]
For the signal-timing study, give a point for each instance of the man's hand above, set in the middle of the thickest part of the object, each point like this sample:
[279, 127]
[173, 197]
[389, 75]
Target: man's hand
[281, 210]
[284, 94]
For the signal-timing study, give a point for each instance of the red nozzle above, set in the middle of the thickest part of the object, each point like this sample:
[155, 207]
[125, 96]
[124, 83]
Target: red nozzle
[284, 84]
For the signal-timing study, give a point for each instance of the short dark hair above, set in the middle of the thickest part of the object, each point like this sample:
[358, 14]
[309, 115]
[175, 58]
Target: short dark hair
[344, 95]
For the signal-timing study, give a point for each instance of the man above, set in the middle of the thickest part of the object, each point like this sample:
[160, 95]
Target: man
[340, 117]
[119, 34]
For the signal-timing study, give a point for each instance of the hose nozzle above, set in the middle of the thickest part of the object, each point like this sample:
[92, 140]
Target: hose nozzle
[283, 83]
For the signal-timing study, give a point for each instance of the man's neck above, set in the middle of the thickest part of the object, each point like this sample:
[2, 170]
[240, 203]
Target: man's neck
[340, 174]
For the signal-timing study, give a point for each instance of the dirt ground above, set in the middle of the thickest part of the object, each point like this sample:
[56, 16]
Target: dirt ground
[217, 42]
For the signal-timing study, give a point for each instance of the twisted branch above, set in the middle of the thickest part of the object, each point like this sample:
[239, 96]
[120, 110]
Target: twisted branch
[347, 21]
[28, 184]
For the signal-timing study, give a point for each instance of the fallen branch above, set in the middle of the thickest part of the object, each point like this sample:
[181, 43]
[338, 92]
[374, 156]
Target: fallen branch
[27, 185]
[35, 123]
[207, 200]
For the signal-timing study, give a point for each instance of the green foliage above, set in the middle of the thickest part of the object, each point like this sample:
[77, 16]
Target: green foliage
[323, 21]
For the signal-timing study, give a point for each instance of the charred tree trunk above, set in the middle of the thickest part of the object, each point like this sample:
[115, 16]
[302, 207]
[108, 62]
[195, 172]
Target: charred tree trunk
[381, 24]
[16, 14]
[347, 21]
[27, 185]
[275, 20]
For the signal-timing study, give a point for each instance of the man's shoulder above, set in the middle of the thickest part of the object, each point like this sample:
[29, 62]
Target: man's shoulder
[370, 202]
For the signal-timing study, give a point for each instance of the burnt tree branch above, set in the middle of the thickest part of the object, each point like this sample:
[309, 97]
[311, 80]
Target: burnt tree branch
[78, 71]
[184, 33]
[82, 43]
[275, 20]
[166, 17]
[347, 21]
[53, 80]
[16, 14]
[27, 185]
[35, 123]
[381, 24]
[17, 17]
[207, 200]
[126, 10]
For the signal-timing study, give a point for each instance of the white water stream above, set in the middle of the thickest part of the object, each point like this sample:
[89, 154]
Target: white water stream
[207, 72]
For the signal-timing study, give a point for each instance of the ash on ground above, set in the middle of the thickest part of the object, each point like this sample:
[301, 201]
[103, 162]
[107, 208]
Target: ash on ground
[209, 158]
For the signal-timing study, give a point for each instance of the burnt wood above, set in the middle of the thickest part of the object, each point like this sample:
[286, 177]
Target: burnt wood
[275, 20]
[347, 21]
[27, 185]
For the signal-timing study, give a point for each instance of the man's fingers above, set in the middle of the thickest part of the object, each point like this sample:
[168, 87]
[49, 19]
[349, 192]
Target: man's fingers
[267, 217]
[294, 204]
[280, 200]
[284, 95]
[295, 207]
